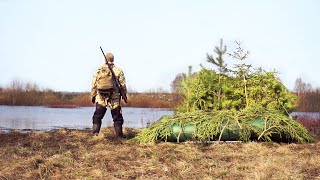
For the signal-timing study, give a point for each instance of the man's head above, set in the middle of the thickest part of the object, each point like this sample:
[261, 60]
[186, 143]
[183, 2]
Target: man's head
[110, 57]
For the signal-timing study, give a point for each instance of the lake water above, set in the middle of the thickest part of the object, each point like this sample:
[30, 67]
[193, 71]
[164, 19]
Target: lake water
[312, 115]
[29, 118]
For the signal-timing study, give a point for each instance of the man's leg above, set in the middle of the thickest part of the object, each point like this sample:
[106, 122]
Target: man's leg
[117, 120]
[97, 117]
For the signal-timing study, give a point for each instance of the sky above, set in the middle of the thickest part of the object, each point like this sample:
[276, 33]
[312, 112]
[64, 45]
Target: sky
[55, 43]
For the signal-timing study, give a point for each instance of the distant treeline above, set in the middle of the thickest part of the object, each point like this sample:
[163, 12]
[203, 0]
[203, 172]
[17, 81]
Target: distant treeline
[29, 94]
[153, 100]
[308, 97]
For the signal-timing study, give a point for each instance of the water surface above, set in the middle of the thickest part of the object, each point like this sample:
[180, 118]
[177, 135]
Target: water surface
[42, 118]
[312, 115]
[31, 118]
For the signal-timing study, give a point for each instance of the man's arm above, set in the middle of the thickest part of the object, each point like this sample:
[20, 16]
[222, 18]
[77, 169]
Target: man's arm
[122, 81]
[119, 75]
[94, 92]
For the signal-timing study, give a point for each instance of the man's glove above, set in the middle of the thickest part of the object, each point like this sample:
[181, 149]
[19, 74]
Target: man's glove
[93, 99]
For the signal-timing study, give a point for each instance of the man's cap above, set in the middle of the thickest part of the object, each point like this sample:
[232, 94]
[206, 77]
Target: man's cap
[110, 57]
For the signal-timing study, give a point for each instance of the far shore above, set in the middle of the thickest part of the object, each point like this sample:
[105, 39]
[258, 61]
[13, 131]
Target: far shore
[75, 100]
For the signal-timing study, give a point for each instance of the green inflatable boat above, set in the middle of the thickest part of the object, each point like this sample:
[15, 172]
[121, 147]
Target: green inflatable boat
[185, 132]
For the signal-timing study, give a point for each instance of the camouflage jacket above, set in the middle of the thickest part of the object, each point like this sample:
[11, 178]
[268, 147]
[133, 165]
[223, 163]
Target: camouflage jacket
[117, 71]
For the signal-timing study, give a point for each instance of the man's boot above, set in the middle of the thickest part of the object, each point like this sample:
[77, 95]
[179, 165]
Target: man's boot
[96, 129]
[97, 117]
[118, 130]
[118, 121]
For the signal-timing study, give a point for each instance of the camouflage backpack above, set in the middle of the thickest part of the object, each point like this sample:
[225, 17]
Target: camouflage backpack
[104, 79]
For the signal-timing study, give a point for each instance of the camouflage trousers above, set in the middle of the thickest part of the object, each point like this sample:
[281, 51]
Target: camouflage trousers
[109, 99]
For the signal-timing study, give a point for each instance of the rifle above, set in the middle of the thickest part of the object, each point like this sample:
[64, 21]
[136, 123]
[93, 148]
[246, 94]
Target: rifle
[116, 80]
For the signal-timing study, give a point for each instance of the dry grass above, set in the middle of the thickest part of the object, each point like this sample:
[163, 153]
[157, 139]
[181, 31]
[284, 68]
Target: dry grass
[74, 154]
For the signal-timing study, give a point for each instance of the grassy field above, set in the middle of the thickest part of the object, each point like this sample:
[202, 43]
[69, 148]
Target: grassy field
[75, 154]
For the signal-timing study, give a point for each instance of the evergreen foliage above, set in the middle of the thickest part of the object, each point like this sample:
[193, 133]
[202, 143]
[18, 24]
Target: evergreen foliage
[274, 126]
[231, 100]
[208, 90]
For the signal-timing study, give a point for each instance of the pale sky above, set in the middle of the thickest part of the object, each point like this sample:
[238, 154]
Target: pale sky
[55, 43]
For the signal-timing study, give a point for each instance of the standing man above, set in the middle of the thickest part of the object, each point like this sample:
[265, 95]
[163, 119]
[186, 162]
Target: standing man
[105, 93]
